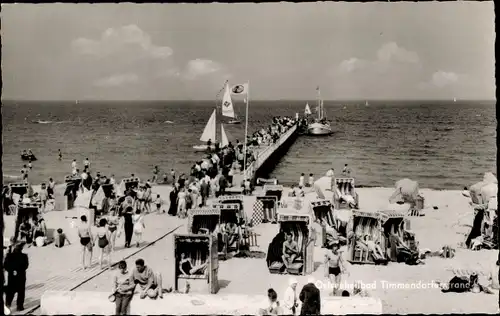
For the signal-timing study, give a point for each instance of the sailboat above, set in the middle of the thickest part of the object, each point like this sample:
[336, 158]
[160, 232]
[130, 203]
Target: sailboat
[227, 107]
[367, 104]
[320, 126]
[454, 99]
[224, 141]
[307, 110]
[209, 134]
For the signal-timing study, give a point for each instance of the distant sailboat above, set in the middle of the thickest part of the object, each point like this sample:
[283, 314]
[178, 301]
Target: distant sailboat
[367, 104]
[227, 107]
[307, 110]
[454, 99]
[209, 134]
[76, 101]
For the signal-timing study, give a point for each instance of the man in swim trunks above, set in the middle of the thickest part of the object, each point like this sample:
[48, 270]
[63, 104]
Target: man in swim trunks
[290, 250]
[149, 282]
[334, 267]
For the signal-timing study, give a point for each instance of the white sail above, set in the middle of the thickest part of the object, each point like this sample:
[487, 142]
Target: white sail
[307, 110]
[227, 104]
[223, 141]
[210, 129]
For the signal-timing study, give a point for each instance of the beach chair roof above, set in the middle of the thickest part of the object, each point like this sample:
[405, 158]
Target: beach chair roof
[71, 177]
[356, 213]
[29, 205]
[204, 211]
[345, 180]
[320, 202]
[230, 198]
[294, 217]
[273, 187]
[131, 180]
[227, 206]
[192, 238]
[388, 214]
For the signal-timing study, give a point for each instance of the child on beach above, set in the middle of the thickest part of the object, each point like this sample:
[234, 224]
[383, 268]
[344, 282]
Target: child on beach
[158, 203]
[302, 180]
[139, 226]
[60, 238]
[311, 180]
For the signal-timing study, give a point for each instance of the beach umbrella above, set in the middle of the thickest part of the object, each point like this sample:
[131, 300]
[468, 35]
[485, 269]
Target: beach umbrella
[406, 191]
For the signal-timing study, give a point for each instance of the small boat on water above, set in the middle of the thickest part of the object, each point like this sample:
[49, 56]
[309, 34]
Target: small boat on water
[27, 157]
[320, 126]
[235, 121]
[209, 134]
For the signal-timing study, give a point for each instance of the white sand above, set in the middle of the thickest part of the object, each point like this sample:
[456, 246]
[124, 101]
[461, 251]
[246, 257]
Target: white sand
[251, 276]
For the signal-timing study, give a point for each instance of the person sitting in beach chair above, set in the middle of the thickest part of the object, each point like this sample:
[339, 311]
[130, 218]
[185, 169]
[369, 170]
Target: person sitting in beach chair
[186, 267]
[290, 250]
[370, 245]
[332, 234]
[233, 235]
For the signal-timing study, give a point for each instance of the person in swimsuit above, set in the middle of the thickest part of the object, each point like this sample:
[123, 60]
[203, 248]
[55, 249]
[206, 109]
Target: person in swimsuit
[113, 223]
[186, 267]
[334, 267]
[290, 250]
[138, 220]
[102, 239]
[370, 245]
[85, 235]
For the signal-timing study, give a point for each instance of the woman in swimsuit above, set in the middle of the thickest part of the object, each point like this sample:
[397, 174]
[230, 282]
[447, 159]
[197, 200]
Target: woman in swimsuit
[85, 235]
[186, 267]
[139, 226]
[102, 238]
[334, 267]
[113, 223]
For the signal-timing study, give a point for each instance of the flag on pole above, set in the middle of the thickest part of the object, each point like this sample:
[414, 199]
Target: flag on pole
[240, 89]
[227, 104]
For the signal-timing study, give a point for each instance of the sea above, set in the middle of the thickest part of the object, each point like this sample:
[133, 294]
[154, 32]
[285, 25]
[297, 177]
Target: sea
[440, 144]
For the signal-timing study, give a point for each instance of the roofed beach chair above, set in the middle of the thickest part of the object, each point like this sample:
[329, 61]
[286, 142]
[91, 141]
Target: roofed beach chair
[344, 194]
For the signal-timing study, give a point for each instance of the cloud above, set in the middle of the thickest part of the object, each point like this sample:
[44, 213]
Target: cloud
[128, 38]
[440, 80]
[390, 53]
[116, 80]
[202, 67]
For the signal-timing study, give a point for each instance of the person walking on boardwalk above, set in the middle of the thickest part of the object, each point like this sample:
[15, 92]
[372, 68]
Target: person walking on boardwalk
[16, 263]
[172, 210]
[103, 237]
[138, 220]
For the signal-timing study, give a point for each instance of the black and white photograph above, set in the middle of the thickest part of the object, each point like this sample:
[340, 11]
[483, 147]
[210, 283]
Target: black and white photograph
[271, 158]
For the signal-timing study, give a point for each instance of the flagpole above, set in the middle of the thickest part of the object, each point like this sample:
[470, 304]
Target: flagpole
[246, 133]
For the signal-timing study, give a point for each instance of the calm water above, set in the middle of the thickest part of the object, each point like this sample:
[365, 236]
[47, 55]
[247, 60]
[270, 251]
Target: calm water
[440, 144]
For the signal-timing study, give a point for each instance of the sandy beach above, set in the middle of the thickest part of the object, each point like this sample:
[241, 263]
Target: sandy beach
[403, 289]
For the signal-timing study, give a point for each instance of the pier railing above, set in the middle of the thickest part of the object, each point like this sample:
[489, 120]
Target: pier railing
[267, 152]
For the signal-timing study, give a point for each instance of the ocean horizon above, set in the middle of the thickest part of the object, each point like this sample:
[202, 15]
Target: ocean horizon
[441, 144]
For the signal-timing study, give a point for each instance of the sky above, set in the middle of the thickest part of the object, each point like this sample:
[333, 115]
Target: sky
[404, 50]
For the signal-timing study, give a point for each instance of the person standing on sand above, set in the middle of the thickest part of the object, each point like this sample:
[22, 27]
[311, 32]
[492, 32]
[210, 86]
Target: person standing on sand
[16, 263]
[302, 180]
[172, 175]
[334, 267]
[128, 226]
[204, 191]
[123, 289]
[74, 167]
[50, 188]
[181, 203]
[172, 210]
[156, 171]
[102, 238]
[85, 235]
[60, 154]
[290, 298]
[86, 164]
[139, 226]
[310, 297]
